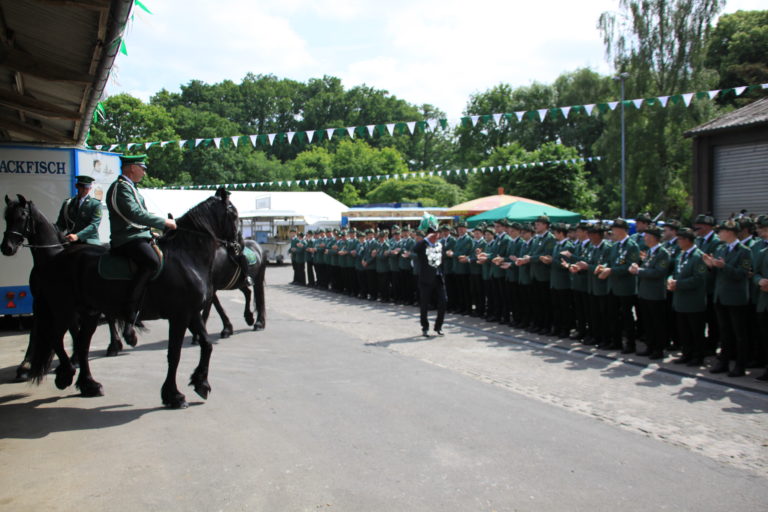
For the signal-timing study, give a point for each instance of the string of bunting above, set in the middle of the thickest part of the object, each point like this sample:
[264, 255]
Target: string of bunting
[411, 127]
[398, 176]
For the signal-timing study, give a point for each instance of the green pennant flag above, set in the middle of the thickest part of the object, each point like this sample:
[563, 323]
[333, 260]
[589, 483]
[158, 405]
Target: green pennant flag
[142, 6]
[123, 49]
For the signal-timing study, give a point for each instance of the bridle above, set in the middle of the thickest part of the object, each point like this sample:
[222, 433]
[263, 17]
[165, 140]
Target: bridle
[28, 231]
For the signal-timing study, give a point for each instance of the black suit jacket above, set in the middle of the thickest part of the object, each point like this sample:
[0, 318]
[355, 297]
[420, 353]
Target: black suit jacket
[427, 273]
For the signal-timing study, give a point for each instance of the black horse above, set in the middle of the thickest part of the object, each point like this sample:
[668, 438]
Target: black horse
[25, 222]
[70, 284]
[228, 274]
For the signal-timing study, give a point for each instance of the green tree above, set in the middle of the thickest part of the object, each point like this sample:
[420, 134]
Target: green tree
[429, 190]
[737, 49]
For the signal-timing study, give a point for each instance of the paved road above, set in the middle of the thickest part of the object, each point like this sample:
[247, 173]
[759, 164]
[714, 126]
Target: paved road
[337, 406]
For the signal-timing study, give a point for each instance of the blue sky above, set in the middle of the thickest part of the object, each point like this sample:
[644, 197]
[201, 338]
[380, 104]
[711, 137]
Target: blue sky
[423, 51]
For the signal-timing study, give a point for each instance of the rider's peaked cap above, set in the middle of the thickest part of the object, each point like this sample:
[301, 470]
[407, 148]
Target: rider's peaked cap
[132, 159]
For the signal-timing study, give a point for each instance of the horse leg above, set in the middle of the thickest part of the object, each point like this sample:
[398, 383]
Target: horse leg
[258, 298]
[115, 345]
[85, 382]
[73, 329]
[228, 329]
[199, 378]
[170, 394]
[22, 371]
[248, 314]
[206, 314]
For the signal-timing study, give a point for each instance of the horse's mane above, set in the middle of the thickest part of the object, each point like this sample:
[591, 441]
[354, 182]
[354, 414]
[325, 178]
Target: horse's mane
[199, 220]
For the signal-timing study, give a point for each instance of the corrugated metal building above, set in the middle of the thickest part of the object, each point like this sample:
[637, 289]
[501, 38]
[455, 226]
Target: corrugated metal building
[730, 162]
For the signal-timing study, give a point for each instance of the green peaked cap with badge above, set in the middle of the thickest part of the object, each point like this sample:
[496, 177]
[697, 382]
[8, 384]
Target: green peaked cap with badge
[428, 223]
[84, 180]
[132, 159]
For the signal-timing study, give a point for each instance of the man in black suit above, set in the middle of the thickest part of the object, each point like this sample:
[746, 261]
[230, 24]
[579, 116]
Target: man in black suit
[431, 281]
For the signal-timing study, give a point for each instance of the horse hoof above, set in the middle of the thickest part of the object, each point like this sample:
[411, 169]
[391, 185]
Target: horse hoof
[114, 350]
[249, 319]
[258, 327]
[203, 389]
[129, 335]
[22, 374]
[64, 376]
[90, 388]
[178, 401]
[226, 333]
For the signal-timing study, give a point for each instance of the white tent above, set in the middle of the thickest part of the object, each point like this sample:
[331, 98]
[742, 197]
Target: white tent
[312, 209]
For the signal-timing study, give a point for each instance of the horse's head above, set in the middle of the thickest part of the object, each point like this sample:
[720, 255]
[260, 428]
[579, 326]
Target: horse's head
[228, 222]
[18, 224]
[215, 217]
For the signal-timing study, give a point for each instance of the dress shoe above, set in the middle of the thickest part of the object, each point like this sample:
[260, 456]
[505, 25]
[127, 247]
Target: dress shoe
[628, 349]
[589, 340]
[424, 333]
[681, 360]
[720, 367]
[439, 332]
[738, 371]
[644, 353]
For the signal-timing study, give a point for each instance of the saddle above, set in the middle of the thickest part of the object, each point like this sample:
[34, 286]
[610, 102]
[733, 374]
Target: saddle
[120, 268]
[250, 255]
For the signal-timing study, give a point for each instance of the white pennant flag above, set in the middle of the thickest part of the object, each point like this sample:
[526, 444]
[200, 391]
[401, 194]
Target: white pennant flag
[740, 90]
[217, 142]
[482, 170]
[612, 104]
[317, 181]
[474, 120]
[687, 98]
[333, 180]
[329, 132]
[290, 136]
[351, 132]
[386, 176]
[508, 167]
[279, 183]
[405, 176]
[454, 123]
[432, 123]
[497, 118]
[519, 115]
[391, 128]
[198, 141]
[310, 134]
[431, 173]
[589, 108]
[638, 103]
[369, 178]
[713, 93]
[147, 144]
[129, 146]
[466, 171]
[396, 176]
[181, 143]
[325, 181]
[98, 146]
[421, 174]
[271, 138]
[448, 172]
[411, 126]
[370, 128]
[543, 113]
[113, 146]
[289, 183]
[439, 173]
[343, 179]
[663, 100]
[566, 111]
[474, 170]
[235, 140]
[764, 86]
[253, 139]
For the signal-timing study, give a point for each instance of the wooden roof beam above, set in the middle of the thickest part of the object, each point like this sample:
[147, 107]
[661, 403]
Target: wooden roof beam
[23, 62]
[85, 4]
[34, 106]
[34, 132]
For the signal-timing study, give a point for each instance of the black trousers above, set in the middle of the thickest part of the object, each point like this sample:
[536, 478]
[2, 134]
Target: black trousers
[542, 305]
[690, 333]
[598, 314]
[620, 319]
[580, 311]
[477, 299]
[432, 292]
[462, 291]
[373, 285]
[732, 321]
[512, 300]
[762, 323]
[525, 316]
[362, 283]
[501, 301]
[383, 279]
[310, 273]
[450, 288]
[562, 315]
[712, 337]
[139, 251]
[653, 315]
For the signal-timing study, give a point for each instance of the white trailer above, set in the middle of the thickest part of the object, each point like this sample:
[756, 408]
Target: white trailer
[46, 176]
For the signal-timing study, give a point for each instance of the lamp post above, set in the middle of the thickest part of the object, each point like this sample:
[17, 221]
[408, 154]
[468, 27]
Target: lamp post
[621, 77]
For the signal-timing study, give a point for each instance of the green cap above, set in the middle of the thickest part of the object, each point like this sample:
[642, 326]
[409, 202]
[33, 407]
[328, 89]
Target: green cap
[461, 224]
[762, 221]
[86, 181]
[621, 223]
[673, 224]
[644, 217]
[706, 219]
[654, 231]
[686, 233]
[132, 159]
[729, 225]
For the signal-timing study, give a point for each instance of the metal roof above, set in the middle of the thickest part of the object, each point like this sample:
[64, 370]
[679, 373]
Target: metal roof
[55, 59]
[754, 114]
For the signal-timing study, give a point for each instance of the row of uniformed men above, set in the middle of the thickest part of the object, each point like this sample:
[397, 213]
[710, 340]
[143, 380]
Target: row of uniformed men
[671, 285]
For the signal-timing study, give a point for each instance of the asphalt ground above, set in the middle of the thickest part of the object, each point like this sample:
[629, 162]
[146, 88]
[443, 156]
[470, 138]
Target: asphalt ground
[340, 405]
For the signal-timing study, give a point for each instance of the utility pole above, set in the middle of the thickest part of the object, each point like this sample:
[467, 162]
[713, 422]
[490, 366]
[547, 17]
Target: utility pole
[621, 77]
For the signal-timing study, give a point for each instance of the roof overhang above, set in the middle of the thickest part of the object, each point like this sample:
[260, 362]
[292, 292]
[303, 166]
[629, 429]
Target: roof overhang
[55, 60]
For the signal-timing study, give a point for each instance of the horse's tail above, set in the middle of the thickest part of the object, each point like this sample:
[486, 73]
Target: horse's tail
[41, 340]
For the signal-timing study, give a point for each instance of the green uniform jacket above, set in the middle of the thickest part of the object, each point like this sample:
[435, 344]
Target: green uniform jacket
[490, 250]
[382, 260]
[542, 246]
[652, 276]
[524, 271]
[128, 216]
[559, 277]
[761, 272]
[580, 280]
[301, 252]
[292, 248]
[348, 260]
[368, 258]
[598, 255]
[462, 247]
[757, 260]
[476, 268]
[639, 239]
[448, 244]
[394, 263]
[690, 272]
[513, 249]
[83, 221]
[623, 254]
[500, 249]
[732, 281]
[673, 249]
[709, 246]
[404, 262]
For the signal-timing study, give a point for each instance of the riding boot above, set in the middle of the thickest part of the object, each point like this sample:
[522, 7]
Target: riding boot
[134, 302]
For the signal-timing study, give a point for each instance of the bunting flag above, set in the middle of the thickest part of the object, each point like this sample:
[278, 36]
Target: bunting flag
[413, 127]
[402, 176]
